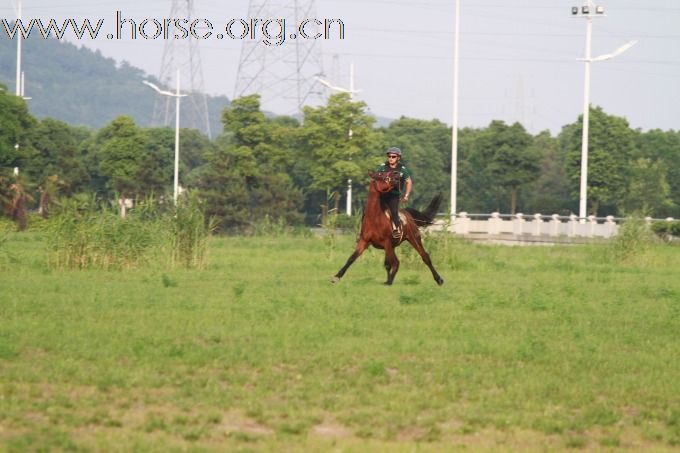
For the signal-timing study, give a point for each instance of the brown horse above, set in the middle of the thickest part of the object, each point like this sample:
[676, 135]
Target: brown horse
[376, 228]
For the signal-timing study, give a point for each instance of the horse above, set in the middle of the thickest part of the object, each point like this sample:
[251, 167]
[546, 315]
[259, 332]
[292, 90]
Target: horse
[376, 228]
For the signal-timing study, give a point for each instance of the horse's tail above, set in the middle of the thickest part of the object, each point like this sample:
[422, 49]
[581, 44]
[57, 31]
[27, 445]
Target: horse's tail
[427, 217]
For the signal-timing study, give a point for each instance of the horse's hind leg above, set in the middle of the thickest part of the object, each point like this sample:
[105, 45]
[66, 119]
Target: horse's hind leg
[361, 246]
[418, 245]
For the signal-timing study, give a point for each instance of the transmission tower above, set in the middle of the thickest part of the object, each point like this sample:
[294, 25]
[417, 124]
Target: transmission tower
[283, 74]
[183, 54]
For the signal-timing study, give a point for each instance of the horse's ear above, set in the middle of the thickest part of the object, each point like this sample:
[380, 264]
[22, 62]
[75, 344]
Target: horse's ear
[372, 174]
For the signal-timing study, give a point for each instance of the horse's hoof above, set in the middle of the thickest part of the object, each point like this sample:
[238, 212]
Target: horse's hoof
[335, 279]
[440, 281]
[387, 283]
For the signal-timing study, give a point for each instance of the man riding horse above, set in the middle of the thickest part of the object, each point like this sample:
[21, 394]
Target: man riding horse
[391, 198]
[379, 231]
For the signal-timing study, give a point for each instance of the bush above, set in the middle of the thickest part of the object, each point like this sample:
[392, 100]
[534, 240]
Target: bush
[667, 230]
[345, 222]
[269, 227]
[634, 237]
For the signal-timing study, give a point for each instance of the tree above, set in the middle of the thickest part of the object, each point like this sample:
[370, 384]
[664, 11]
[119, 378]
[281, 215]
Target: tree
[157, 166]
[55, 154]
[471, 184]
[611, 146]
[549, 194]
[332, 156]
[501, 160]
[662, 148]
[427, 153]
[121, 153]
[18, 206]
[648, 190]
[16, 125]
[246, 176]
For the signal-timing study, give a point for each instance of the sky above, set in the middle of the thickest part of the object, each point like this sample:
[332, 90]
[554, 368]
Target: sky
[518, 59]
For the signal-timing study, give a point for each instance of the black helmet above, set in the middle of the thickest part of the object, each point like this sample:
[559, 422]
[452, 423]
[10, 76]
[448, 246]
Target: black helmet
[394, 150]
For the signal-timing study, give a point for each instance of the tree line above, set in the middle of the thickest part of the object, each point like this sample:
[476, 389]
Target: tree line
[296, 171]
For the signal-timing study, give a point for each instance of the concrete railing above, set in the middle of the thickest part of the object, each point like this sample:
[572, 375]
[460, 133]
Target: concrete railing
[498, 227]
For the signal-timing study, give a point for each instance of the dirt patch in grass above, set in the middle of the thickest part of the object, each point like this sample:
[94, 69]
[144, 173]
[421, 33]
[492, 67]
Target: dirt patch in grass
[234, 422]
[332, 429]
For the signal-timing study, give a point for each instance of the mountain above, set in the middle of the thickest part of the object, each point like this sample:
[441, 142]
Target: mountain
[82, 87]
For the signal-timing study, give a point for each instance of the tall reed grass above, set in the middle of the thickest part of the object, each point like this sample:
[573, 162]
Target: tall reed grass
[189, 233]
[86, 234]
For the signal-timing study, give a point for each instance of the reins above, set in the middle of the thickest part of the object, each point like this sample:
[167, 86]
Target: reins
[391, 178]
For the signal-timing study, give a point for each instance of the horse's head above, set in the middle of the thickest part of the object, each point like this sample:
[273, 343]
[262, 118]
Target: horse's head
[384, 181]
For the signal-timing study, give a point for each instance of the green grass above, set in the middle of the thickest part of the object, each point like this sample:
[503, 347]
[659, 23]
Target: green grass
[522, 348]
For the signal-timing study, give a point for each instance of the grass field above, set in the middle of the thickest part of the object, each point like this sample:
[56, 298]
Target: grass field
[522, 348]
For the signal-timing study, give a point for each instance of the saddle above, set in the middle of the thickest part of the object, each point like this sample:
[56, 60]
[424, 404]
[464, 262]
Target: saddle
[402, 217]
[396, 234]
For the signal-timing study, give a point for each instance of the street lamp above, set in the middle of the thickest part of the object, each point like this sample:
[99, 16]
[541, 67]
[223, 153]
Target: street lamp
[454, 122]
[351, 91]
[16, 169]
[588, 11]
[177, 96]
[19, 37]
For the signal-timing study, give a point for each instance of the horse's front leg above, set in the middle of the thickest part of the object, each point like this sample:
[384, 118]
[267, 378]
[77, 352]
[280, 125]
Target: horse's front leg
[361, 246]
[391, 262]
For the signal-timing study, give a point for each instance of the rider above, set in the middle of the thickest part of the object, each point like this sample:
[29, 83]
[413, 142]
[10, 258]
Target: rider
[391, 198]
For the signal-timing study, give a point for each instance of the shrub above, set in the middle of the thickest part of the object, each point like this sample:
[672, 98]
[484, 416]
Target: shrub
[634, 237]
[667, 230]
[271, 228]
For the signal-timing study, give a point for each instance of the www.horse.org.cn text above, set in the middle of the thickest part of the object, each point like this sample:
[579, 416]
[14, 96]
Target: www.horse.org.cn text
[271, 32]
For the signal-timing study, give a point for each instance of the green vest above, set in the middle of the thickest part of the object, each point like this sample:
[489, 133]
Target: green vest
[404, 174]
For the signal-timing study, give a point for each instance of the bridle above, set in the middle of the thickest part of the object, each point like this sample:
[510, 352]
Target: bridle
[390, 178]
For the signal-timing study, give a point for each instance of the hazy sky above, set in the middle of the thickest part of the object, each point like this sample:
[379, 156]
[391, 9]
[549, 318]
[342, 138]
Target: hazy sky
[518, 58]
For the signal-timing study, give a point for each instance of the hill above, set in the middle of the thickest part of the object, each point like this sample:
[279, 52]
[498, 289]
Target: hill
[82, 87]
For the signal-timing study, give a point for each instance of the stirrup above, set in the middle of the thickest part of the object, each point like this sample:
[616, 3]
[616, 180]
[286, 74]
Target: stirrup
[396, 233]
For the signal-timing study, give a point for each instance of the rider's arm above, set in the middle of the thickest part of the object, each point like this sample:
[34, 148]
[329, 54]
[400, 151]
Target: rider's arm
[409, 186]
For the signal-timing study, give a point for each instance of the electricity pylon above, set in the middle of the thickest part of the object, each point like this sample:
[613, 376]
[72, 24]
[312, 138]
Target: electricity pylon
[282, 70]
[183, 55]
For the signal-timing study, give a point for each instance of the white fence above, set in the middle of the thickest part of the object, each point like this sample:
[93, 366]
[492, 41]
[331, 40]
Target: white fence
[537, 228]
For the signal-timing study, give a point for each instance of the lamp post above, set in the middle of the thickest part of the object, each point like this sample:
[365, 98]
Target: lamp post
[454, 122]
[16, 169]
[588, 11]
[19, 39]
[351, 91]
[177, 97]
